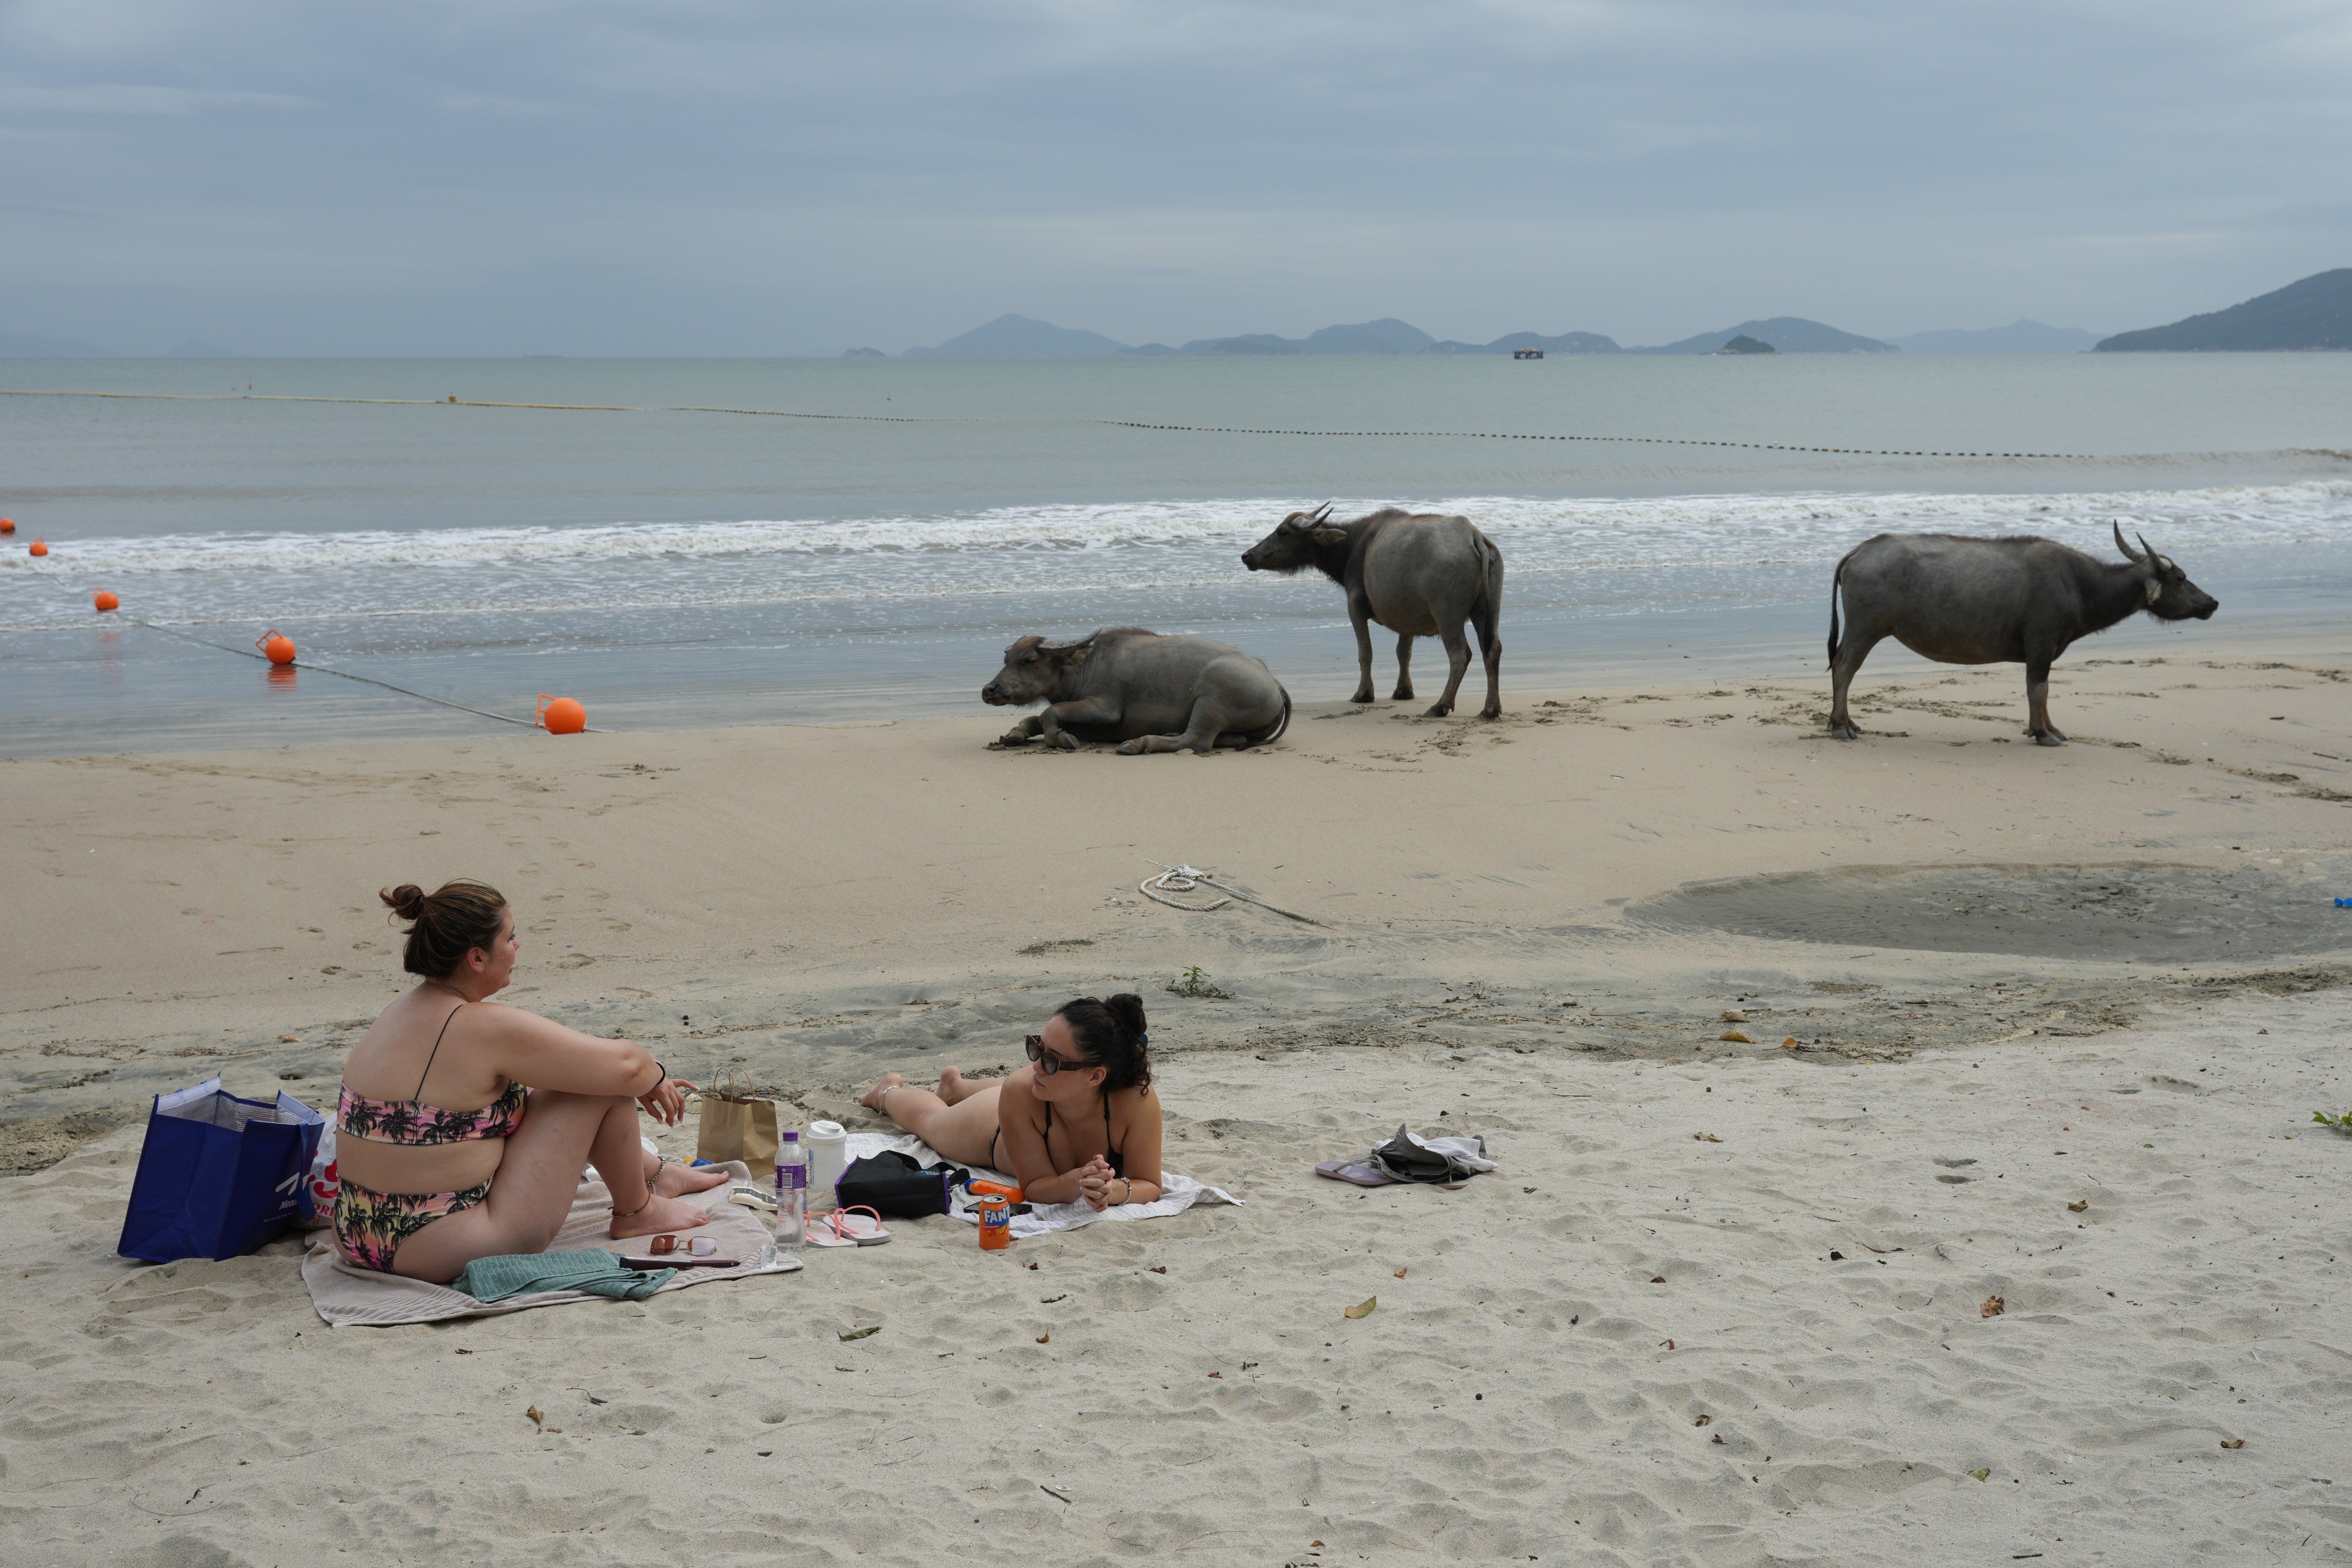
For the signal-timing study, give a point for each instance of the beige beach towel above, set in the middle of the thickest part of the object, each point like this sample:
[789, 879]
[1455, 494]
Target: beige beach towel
[345, 1296]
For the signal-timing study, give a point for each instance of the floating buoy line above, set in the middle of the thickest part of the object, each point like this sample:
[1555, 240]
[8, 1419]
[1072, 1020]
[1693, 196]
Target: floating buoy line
[1120, 424]
[561, 716]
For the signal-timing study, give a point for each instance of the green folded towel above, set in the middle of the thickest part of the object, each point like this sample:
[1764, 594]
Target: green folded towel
[594, 1269]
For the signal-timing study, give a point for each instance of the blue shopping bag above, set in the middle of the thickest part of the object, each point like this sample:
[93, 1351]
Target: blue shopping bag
[217, 1175]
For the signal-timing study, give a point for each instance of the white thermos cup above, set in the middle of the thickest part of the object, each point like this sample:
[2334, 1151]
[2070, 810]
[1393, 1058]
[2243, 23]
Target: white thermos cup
[828, 1153]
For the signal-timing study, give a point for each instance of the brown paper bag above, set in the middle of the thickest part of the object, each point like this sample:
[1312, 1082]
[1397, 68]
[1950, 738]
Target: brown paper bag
[731, 1123]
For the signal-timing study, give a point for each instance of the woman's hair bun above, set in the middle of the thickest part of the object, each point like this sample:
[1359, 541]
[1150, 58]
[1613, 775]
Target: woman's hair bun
[447, 924]
[407, 900]
[1127, 1008]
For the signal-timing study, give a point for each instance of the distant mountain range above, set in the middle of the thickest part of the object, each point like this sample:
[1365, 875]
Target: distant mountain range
[2020, 337]
[2315, 313]
[1019, 337]
[1787, 334]
[14, 347]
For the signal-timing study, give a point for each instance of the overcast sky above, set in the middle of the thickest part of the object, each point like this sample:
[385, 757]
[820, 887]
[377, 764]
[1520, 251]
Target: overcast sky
[494, 177]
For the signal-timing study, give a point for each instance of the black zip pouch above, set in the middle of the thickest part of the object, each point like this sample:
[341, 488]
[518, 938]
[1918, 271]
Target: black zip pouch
[895, 1187]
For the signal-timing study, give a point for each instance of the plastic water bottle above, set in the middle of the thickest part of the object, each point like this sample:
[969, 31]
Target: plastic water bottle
[792, 1191]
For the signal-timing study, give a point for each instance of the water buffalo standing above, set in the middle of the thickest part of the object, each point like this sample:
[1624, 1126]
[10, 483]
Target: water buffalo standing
[1417, 574]
[1152, 693]
[1959, 600]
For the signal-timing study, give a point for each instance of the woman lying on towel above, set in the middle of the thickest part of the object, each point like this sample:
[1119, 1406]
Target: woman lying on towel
[462, 1123]
[1080, 1124]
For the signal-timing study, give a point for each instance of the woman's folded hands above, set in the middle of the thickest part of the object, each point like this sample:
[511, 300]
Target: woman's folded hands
[1094, 1180]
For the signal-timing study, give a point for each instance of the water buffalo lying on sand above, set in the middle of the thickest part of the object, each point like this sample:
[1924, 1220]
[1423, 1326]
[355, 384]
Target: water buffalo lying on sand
[1417, 574]
[1150, 692]
[1986, 601]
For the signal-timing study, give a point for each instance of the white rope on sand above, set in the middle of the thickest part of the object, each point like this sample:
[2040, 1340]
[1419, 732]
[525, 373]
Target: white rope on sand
[1189, 879]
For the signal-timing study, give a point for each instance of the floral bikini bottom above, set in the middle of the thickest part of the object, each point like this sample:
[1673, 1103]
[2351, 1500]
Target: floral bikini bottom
[370, 1226]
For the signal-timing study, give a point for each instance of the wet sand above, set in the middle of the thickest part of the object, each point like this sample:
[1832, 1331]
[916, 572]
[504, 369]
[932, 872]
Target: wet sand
[1534, 926]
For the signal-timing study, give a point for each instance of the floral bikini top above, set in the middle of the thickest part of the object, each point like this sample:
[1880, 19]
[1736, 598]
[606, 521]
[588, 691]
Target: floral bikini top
[414, 1123]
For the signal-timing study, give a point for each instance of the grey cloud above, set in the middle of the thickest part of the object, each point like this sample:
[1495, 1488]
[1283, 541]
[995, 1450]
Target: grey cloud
[610, 177]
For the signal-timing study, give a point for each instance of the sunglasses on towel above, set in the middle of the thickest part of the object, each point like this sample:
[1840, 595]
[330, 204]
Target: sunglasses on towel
[1048, 1063]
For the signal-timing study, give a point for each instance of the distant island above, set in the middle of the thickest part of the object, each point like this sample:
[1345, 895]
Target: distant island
[2315, 313]
[1744, 344]
[1021, 337]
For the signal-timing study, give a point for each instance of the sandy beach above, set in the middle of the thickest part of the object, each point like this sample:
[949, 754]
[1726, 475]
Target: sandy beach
[1725, 1302]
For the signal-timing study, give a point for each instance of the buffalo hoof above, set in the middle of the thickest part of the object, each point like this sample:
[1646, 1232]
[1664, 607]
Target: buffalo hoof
[1847, 731]
[1065, 742]
[1436, 710]
[1494, 713]
[1014, 738]
[2049, 738]
[1134, 748]
[1363, 697]
[1402, 694]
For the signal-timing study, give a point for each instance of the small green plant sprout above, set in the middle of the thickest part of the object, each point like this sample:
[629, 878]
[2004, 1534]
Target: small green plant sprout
[2341, 1124]
[1194, 982]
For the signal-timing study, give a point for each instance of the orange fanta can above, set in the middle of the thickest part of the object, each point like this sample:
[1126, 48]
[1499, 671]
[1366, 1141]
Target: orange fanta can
[996, 1220]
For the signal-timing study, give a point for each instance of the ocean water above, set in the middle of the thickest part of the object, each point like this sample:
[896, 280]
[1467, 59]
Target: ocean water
[735, 541]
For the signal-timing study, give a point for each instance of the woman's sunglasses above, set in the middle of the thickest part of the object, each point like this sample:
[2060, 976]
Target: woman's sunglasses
[1047, 1062]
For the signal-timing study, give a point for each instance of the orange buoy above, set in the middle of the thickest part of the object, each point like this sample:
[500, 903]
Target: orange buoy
[40, 547]
[106, 601]
[562, 715]
[276, 646]
[8, 525]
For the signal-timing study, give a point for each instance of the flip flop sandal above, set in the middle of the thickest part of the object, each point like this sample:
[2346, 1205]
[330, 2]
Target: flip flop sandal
[1360, 1172]
[847, 1227]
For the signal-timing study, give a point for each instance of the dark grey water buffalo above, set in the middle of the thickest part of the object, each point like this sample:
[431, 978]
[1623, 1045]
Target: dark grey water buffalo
[1988, 601]
[1418, 574]
[1150, 692]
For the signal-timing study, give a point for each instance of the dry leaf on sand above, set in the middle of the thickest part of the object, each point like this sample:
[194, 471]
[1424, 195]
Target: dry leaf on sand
[1400, 1273]
[1735, 1038]
[2233, 1442]
[1983, 1474]
[1701, 1420]
[1363, 1309]
[1706, 1137]
[2078, 1206]
[1045, 1339]
[1993, 1307]
[538, 1418]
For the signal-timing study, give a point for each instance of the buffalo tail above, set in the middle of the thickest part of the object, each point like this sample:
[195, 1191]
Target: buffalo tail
[1273, 732]
[1835, 583]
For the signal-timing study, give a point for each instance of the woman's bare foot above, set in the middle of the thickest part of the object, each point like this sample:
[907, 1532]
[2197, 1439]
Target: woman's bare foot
[675, 1180]
[872, 1099]
[953, 1087]
[659, 1214]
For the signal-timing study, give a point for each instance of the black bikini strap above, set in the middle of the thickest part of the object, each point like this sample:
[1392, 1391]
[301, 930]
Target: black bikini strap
[419, 1097]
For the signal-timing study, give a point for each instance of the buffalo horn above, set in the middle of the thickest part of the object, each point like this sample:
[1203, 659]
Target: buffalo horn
[2120, 540]
[1323, 512]
[2153, 558]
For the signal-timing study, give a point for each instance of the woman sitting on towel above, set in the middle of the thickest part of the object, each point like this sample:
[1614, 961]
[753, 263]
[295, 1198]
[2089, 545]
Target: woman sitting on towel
[1080, 1123]
[463, 1124]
